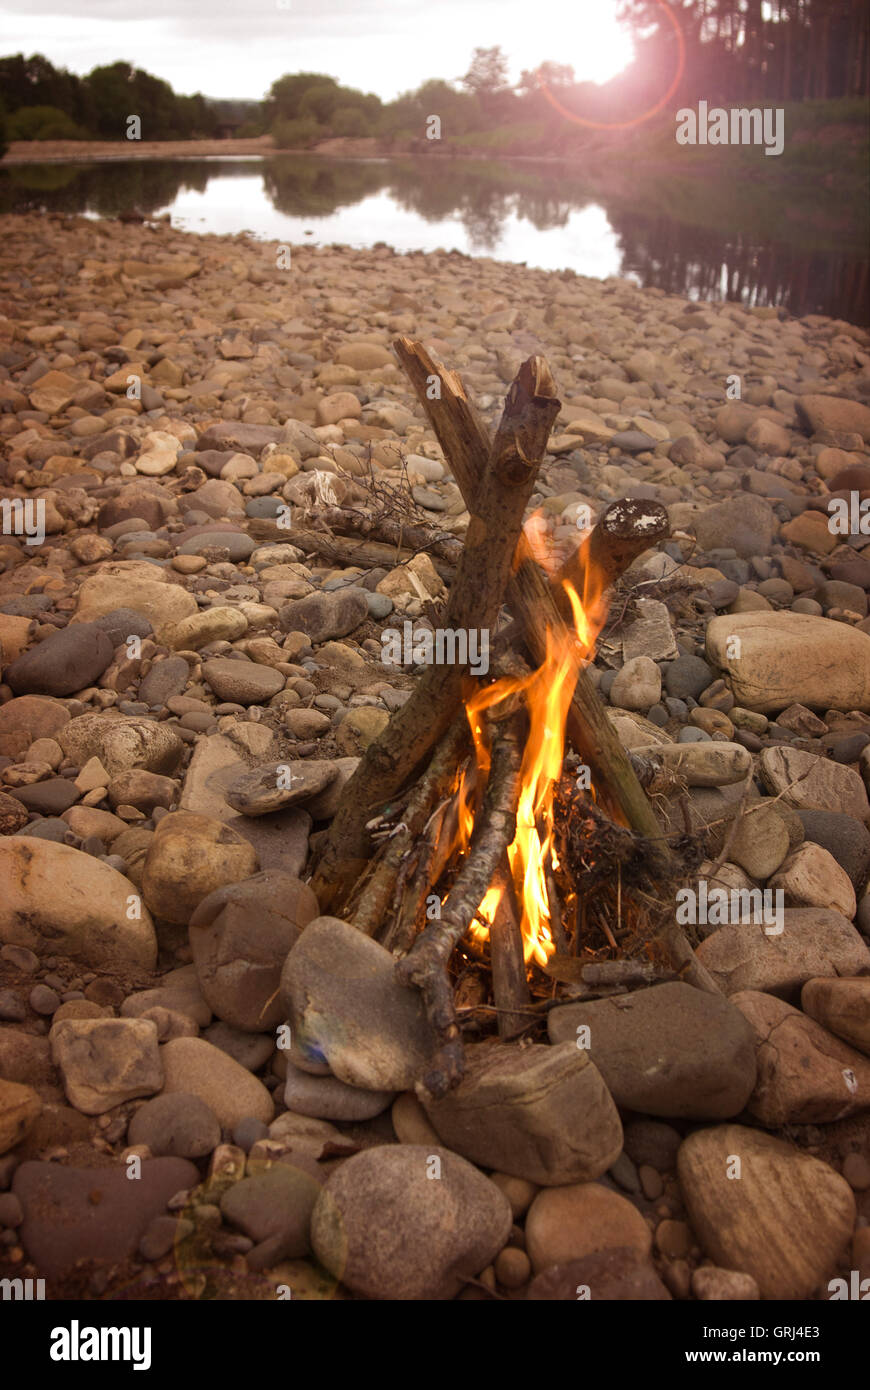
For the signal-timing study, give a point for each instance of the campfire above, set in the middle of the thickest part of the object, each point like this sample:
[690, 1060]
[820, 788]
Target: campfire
[496, 837]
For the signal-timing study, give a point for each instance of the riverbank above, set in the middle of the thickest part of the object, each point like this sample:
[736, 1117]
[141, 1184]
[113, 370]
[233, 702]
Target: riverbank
[192, 665]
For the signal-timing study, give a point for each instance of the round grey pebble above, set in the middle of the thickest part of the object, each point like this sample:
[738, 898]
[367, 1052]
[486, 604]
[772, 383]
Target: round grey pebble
[12, 1009]
[175, 1125]
[692, 735]
[44, 1000]
[248, 1131]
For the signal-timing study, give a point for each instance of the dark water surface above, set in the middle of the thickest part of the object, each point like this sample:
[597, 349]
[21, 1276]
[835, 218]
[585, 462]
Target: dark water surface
[765, 243]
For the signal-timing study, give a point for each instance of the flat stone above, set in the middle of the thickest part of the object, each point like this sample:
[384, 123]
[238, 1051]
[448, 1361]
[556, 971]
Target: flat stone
[671, 1050]
[260, 791]
[106, 1061]
[92, 1214]
[814, 941]
[193, 1066]
[242, 682]
[841, 1006]
[327, 1098]
[809, 782]
[57, 899]
[786, 658]
[540, 1113]
[786, 1222]
[805, 1075]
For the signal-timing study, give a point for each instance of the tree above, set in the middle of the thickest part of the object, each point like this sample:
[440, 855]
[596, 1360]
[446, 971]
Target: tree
[487, 73]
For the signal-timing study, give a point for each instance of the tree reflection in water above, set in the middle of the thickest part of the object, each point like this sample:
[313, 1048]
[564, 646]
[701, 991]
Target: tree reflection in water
[707, 239]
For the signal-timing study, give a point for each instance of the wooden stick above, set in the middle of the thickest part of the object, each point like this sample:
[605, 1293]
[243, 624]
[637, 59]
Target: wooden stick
[340, 550]
[425, 966]
[510, 986]
[379, 894]
[499, 503]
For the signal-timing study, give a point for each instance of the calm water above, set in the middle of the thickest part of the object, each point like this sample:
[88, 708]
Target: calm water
[709, 240]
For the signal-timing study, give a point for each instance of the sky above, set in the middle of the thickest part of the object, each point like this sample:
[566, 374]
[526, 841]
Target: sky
[224, 48]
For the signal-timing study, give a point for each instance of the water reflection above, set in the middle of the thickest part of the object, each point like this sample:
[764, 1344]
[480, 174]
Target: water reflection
[707, 239]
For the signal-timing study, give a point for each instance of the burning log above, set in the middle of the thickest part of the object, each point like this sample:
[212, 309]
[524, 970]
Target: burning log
[425, 966]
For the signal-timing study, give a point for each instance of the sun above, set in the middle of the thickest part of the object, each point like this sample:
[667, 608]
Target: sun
[592, 40]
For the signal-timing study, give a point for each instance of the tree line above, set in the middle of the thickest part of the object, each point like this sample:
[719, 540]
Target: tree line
[734, 50]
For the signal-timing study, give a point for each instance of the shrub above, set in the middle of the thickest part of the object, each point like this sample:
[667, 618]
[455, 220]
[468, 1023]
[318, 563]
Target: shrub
[43, 123]
[297, 134]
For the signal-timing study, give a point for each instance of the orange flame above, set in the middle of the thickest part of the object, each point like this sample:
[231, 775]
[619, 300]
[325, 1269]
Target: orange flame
[547, 692]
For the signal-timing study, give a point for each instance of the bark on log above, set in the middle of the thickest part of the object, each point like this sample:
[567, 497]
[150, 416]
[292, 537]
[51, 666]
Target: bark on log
[510, 986]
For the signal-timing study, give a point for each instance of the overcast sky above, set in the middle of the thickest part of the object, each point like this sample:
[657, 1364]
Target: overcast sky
[237, 48]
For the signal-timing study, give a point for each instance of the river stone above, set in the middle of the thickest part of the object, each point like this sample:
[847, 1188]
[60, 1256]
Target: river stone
[390, 1226]
[58, 900]
[276, 1206]
[324, 805]
[240, 936]
[24, 720]
[65, 662]
[845, 837]
[279, 840]
[194, 1066]
[239, 545]
[347, 1010]
[744, 523]
[92, 1214]
[327, 1098]
[788, 1219]
[811, 877]
[841, 1006]
[165, 679]
[834, 413]
[324, 616]
[242, 682]
[142, 790]
[106, 1061]
[809, 782]
[790, 658]
[805, 1075]
[175, 1125]
[814, 941]
[761, 840]
[178, 991]
[239, 437]
[702, 764]
[189, 857]
[261, 790]
[637, 686]
[671, 1050]
[19, 1110]
[572, 1222]
[539, 1113]
[121, 742]
[613, 1275]
[137, 585]
[219, 624]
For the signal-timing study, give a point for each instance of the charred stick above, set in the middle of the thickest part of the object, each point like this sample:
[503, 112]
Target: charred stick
[425, 966]
[510, 986]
